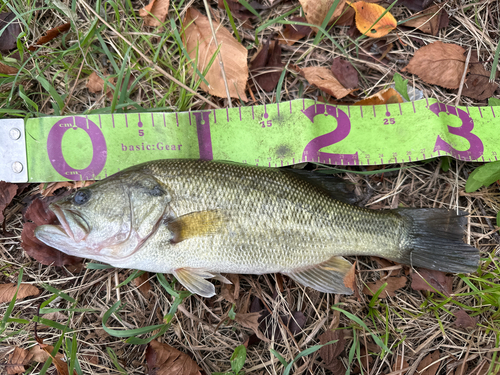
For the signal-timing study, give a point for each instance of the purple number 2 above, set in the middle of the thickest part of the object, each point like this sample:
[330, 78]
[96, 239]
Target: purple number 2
[476, 147]
[312, 150]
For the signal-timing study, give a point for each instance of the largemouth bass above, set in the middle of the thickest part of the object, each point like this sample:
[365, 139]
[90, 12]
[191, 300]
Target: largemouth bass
[197, 219]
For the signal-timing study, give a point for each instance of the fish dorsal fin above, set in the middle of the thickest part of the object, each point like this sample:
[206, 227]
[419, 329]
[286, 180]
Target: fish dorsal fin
[195, 224]
[326, 277]
[334, 186]
[194, 280]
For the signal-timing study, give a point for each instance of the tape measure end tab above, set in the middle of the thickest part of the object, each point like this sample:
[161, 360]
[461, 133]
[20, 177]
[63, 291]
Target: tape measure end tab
[13, 167]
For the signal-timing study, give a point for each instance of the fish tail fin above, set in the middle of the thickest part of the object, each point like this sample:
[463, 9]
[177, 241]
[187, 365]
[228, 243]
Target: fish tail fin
[436, 242]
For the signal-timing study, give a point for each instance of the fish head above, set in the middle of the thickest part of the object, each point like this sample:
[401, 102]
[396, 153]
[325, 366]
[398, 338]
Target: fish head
[109, 220]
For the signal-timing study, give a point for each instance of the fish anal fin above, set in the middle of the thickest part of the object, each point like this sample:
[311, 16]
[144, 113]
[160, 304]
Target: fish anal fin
[194, 280]
[195, 224]
[326, 277]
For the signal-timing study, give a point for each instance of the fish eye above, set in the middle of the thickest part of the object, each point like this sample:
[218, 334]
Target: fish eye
[81, 197]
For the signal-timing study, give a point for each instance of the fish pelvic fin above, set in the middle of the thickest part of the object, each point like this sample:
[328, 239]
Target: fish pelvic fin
[326, 277]
[194, 280]
[195, 224]
[435, 241]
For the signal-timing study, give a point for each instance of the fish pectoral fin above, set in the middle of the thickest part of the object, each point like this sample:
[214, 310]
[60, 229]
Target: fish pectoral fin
[326, 277]
[195, 224]
[193, 279]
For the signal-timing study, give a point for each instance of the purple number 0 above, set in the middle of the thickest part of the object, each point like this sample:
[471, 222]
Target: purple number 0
[476, 147]
[341, 132]
[56, 157]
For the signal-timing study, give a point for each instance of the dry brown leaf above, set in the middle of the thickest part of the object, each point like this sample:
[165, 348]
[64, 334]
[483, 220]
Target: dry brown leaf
[393, 284]
[7, 291]
[95, 84]
[162, 359]
[48, 189]
[345, 73]
[142, 282]
[155, 13]
[199, 43]
[5, 69]
[41, 355]
[439, 64]
[478, 85]
[55, 316]
[251, 321]
[293, 33]
[7, 193]
[330, 353]
[324, 80]
[386, 96]
[17, 360]
[426, 361]
[427, 21]
[231, 292]
[437, 279]
[415, 5]
[51, 34]
[464, 320]
[317, 10]
[11, 28]
[38, 212]
[367, 14]
[58, 361]
[266, 65]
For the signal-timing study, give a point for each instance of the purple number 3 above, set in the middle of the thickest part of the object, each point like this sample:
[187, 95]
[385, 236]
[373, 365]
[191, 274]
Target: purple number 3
[476, 147]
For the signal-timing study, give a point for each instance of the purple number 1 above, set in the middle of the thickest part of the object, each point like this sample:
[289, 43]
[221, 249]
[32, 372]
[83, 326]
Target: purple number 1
[312, 150]
[476, 147]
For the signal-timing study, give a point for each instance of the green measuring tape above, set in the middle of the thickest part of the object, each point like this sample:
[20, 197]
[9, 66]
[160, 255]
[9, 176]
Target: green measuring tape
[96, 146]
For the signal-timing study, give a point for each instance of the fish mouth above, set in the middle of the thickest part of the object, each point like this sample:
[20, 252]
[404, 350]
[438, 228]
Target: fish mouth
[72, 223]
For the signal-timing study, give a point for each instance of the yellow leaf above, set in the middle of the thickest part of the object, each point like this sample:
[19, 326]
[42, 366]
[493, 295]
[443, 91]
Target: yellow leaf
[201, 47]
[367, 14]
[386, 96]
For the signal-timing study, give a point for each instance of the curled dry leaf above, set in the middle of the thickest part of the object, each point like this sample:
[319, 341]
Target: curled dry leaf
[266, 65]
[439, 64]
[38, 212]
[345, 73]
[425, 364]
[17, 360]
[393, 284]
[386, 96]
[317, 10]
[429, 20]
[293, 33]
[5, 69]
[437, 279]
[155, 13]
[324, 80]
[464, 320]
[7, 292]
[163, 359]
[367, 14]
[199, 43]
[477, 84]
[7, 193]
[51, 34]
